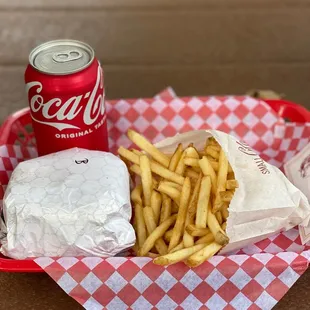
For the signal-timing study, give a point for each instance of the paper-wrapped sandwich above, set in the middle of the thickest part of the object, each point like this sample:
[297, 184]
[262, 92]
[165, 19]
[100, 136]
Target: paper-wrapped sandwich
[71, 203]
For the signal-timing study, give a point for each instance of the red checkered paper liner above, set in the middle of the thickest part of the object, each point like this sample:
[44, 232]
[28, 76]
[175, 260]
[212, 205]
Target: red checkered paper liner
[255, 277]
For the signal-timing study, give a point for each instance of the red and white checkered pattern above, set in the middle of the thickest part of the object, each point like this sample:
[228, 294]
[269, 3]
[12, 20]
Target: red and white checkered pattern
[255, 277]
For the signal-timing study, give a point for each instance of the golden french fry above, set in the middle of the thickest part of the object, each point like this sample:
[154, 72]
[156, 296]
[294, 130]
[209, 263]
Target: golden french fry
[207, 170]
[230, 175]
[226, 196]
[146, 179]
[215, 147]
[148, 147]
[136, 195]
[141, 228]
[191, 152]
[219, 217]
[203, 202]
[212, 152]
[152, 255]
[197, 232]
[170, 191]
[155, 233]
[221, 181]
[211, 159]
[232, 184]
[175, 158]
[159, 245]
[192, 207]
[215, 165]
[168, 235]
[156, 201]
[217, 231]
[180, 169]
[179, 224]
[132, 157]
[136, 169]
[224, 226]
[139, 153]
[174, 208]
[205, 239]
[203, 255]
[213, 162]
[191, 212]
[178, 256]
[179, 247]
[166, 173]
[191, 173]
[172, 184]
[165, 212]
[225, 212]
[192, 162]
[212, 141]
[155, 167]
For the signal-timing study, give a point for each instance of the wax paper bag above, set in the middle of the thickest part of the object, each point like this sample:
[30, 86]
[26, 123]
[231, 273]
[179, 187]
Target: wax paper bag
[265, 203]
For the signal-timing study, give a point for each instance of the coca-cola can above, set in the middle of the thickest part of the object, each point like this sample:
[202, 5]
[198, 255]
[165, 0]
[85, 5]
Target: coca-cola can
[64, 84]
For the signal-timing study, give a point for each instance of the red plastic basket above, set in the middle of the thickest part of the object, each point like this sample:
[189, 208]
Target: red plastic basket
[17, 129]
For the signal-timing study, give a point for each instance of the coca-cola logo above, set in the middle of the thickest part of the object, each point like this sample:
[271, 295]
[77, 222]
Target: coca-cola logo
[58, 113]
[305, 167]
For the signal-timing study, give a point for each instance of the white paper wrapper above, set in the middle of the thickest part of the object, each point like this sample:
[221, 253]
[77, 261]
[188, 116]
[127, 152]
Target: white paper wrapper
[298, 172]
[265, 202]
[71, 203]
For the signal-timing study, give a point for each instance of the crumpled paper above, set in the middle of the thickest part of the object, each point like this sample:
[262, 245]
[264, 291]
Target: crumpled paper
[265, 203]
[71, 203]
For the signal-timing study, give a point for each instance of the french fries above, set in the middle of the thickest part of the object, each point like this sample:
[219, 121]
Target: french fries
[136, 169]
[203, 202]
[156, 201]
[226, 196]
[177, 256]
[155, 167]
[155, 233]
[197, 232]
[207, 170]
[168, 235]
[182, 204]
[191, 212]
[179, 247]
[171, 184]
[232, 184]
[136, 195]
[208, 238]
[217, 231]
[148, 147]
[165, 211]
[178, 229]
[170, 191]
[221, 181]
[146, 179]
[202, 255]
[175, 158]
[141, 229]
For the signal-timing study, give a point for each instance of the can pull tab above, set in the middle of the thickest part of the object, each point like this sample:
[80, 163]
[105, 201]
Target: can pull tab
[67, 56]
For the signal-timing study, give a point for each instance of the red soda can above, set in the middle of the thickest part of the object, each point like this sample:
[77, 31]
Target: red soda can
[64, 84]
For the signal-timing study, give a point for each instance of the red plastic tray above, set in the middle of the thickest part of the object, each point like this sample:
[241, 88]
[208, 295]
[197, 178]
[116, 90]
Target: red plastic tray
[17, 130]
